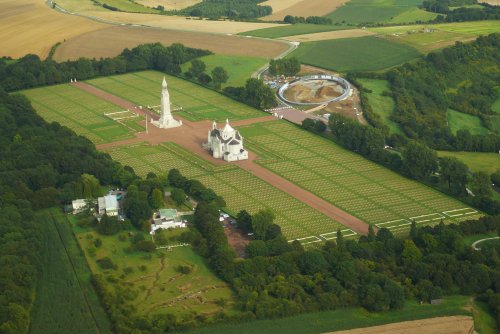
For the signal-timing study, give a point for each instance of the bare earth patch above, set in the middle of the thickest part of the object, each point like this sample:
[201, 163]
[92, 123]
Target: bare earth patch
[441, 325]
[313, 91]
[30, 26]
[321, 36]
[301, 8]
[111, 41]
[168, 4]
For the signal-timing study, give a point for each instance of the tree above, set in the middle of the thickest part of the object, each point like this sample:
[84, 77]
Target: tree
[244, 221]
[178, 196]
[197, 68]
[176, 179]
[411, 254]
[419, 161]
[256, 248]
[454, 173]
[481, 184]
[157, 199]
[261, 223]
[219, 76]
[91, 186]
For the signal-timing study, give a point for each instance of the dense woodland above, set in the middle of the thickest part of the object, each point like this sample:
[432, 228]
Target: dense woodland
[453, 14]
[463, 77]
[29, 71]
[234, 9]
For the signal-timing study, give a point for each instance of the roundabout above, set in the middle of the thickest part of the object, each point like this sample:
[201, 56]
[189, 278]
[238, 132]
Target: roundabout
[315, 90]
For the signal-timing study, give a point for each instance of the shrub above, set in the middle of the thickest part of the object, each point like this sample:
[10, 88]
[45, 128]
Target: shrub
[106, 263]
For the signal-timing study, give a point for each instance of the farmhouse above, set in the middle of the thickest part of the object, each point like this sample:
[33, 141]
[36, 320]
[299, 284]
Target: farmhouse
[108, 205]
[78, 205]
[166, 120]
[226, 143]
[165, 219]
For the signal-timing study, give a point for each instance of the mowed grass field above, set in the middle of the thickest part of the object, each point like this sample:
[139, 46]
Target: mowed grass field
[458, 120]
[78, 110]
[476, 161]
[240, 189]
[355, 54]
[374, 11]
[373, 193]
[65, 299]
[381, 105]
[292, 30]
[239, 68]
[198, 103]
[329, 321]
[160, 288]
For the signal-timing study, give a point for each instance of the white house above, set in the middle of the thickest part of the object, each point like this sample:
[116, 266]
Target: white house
[108, 205]
[226, 143]
[165, 219]
[78, 205]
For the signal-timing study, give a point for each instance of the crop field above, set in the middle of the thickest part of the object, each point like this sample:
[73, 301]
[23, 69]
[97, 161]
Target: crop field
[413, 15]
[355, 54]
[20, 30]
[373, 11]
[368, 191]
[292, 30]
[239, 68]
[79, 111]
[381, 105]
[168, 4]
[304, 8]
[88, 5]
[160, 288]
[476, 161]
[240, 189]
[343, 319]
[111, 41]
[458, 120]
[65, 299]
[143, 88]
[329, 35]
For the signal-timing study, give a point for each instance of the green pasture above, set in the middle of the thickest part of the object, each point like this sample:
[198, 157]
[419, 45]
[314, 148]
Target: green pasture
[239, 68]
[476, 161]
[470, 239]
[484, 321]
[154, 277]
[458, 120]
[198, 103]
[355, 54]
[240, 189]
[413, 15]
[373, 11]
[342, 319]
[78, 110]
[65, 300]
[429, 37]
[381, 105]
[369, 191]
[292, 30]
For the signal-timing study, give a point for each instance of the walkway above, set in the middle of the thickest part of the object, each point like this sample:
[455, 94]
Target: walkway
[478, 241]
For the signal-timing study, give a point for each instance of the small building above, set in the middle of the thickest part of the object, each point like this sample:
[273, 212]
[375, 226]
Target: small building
[78, 205]
[165, 219]
[108, 205]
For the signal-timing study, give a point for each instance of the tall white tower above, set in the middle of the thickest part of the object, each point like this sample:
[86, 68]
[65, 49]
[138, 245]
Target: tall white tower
[166, 120]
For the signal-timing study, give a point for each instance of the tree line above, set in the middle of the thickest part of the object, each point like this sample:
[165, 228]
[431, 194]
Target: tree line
[461, 14]
[233, 9]
[285, 66]
[310, 19]
[30, 71]
[461, 77]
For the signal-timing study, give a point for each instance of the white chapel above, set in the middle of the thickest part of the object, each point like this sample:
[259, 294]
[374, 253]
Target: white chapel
[166, 120]
[226, 143]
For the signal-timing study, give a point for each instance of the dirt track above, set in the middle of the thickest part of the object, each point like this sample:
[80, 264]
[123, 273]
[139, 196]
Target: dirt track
[441, 325]
[191, 136]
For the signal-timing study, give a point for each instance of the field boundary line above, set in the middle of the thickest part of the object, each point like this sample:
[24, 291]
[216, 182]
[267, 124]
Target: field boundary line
[323, 235]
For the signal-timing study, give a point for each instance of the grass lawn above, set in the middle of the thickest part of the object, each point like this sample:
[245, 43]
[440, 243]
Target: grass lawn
[484, 322]
[292, 30]
[477, 161]
[381, 105]
[154, 277]
[65, 299]
[240, 189]
[355, 54]
[470, 239]
[198, 103]
[372, 11]
[78, 110]
[239, 68]
[413, 15]
[458, 120]
[371, 192]
[323, 322]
